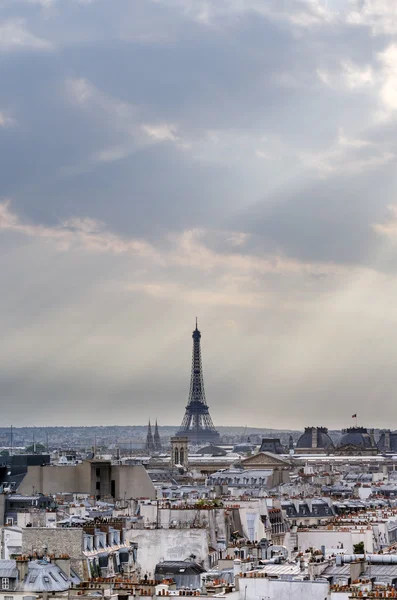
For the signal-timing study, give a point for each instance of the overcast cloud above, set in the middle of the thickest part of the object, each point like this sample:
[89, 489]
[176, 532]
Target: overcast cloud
[230, 159]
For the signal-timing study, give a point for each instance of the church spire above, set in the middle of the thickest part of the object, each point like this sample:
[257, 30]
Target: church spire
[157, 439]
[149, 446]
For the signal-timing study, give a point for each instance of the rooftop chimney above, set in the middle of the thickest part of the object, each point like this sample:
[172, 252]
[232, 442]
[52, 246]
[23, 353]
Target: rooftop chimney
[372, 437]
[314, 437]
[356, 568]
[22, 566]
[64, 564]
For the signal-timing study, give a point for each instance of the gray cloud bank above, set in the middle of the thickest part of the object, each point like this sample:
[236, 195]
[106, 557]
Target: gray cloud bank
[232, 160]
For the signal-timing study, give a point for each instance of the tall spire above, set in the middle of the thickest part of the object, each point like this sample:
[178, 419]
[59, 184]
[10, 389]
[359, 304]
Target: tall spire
[149, 446]
[197, 423]
[157, 439]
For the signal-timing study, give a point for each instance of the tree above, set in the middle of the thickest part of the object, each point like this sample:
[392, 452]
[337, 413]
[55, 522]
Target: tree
[36, 449]
[4, 453]
[358, 548]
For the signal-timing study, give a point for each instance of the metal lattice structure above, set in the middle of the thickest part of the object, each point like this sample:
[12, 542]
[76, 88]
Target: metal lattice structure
[197, 424]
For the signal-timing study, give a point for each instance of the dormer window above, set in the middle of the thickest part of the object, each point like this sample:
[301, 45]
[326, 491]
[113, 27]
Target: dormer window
[5, 583]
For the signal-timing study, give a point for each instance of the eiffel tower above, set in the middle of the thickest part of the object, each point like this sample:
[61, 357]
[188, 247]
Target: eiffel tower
[197, 424]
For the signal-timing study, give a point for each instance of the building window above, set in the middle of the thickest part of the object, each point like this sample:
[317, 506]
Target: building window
[98, 485]
[176, 456]
[98, 472]
[8, 597]
[5, 583]
[182, 456]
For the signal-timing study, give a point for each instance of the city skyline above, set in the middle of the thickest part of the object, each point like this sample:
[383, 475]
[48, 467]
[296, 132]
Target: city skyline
[231, 160]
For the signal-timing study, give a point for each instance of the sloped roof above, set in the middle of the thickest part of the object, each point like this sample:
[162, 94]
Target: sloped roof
[45, 576]
[8, 568]
[212, 450]
[355, 436]
[271, 445]
[264, 458]
[393, 442]
[323, 439]
[178, 567]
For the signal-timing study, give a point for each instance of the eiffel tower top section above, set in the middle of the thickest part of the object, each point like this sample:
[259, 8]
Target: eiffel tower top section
[197, 392]
[197, 424]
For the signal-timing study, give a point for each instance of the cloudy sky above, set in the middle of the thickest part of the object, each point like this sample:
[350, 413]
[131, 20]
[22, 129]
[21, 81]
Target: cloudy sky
[230, 159]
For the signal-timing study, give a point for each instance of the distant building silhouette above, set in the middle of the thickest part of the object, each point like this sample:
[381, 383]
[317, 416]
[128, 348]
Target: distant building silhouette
[149, 446]
[157, 439]
[271, 445]
[314, 440]
[357, 440]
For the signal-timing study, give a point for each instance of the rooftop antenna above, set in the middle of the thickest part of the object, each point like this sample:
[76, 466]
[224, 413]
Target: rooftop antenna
[11, 441]
[196, 322]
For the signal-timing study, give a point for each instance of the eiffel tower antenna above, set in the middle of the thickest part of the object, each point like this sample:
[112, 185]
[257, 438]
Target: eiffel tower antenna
[197, 424]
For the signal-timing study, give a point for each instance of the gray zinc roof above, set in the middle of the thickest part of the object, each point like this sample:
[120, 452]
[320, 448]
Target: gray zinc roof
[8, 568]
[383, 572]
[45, 576]
[178, 567]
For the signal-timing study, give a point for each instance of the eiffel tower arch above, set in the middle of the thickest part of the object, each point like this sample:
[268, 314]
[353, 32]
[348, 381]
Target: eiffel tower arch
[197, 424]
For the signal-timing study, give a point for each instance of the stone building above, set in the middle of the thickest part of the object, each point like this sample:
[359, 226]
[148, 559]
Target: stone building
[314, 440]
[387, 442]
[357, 440]
[179, 451]
[59, 541]
[99, 548]
[98, 478]
[37, 575]
[268, 461]
[271, 445]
